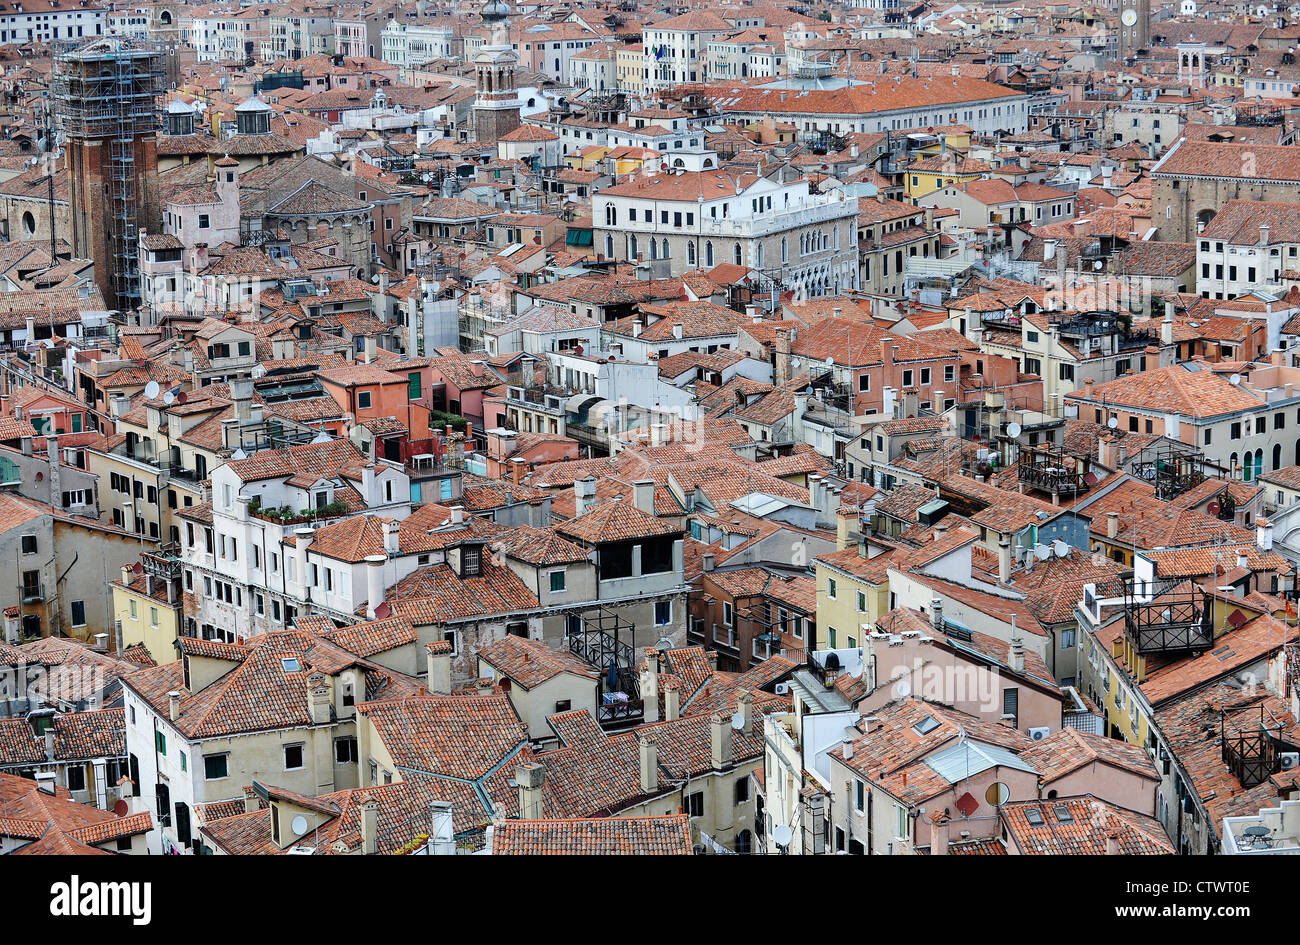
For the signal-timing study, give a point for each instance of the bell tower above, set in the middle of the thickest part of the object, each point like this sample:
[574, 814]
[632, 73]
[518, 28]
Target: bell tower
[1134, 27]
[496, 107]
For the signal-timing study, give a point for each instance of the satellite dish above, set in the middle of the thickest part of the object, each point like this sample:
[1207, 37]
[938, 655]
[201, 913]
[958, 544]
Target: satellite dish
[782, 835]
[181, 397]
[738, 721]
[1235, 380]
[151, 390]
[902, 688]
[1060, 548]
[1113, 422]
[1013, 429]
[299, 825]
[169, 398]
[120, 808]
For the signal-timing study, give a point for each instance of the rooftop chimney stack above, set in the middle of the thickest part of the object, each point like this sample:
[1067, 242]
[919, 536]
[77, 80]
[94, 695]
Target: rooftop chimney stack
[649, 757]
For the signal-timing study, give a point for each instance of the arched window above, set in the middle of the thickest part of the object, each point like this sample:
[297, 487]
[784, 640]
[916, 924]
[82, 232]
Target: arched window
[663, 248]
[744, 842]
[631, 248]
[690, 254]
[735, 254]
[611, 215]
[785, 250]
[708, 254]
[654, 249]
[1232, 464]
[1277, 456]
[609, 245]
[29, 223]
[758, 256]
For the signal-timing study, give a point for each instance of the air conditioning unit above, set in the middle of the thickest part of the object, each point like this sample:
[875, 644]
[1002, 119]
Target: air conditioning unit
[1290, 760]
[783, 689]
[1039, 733]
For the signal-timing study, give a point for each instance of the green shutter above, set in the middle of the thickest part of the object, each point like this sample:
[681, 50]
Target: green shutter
[413, 385]
[162, 742]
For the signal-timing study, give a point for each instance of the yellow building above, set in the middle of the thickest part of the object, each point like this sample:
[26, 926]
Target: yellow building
[629, 68]
[852, 590]
[949, 169]
[588, 159]
[147, 605]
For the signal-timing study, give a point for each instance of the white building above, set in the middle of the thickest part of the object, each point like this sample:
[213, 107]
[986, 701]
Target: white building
[699, 220]
[40, 21]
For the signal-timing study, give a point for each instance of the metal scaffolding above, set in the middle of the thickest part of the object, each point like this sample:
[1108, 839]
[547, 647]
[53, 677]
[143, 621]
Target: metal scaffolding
[106, 94]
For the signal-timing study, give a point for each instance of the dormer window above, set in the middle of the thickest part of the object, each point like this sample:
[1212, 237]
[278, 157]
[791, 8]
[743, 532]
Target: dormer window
[471, 562]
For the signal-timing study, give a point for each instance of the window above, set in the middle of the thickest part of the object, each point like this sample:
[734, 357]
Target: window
[363, 400]
[160, 742]
[563, 705]
[742, 790]
[76, 778]
[292, 757]
[78, 613]
[830, 588]
[862, 602]
[557, 582]
[728, 613]
[203, 221]
[695, 804]
[216, 767]
[663, 613]
[859, 795]
[345, 750]
[29, 544]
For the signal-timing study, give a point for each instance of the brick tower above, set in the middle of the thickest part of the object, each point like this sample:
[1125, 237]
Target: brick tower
[106, 100]
[496, 107]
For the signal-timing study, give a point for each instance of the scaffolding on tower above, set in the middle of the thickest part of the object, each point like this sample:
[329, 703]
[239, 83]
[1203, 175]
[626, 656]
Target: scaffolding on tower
[106, 94]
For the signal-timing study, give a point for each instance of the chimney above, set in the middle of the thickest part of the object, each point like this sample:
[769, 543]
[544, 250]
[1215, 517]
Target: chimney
[707, 561]
[318, 699]
[392, 537]
[374, 584]
[644, 495]
[530, 777]
[458, 515]
[1112, 842]
[241, 395]
[745, 706]
[1017, 654]
[650, 686]
[1242, 560]
[369, 825]
[49, 745]
[781, 349]
[1167, 330]
[438, 681]
[649, 757]
[936, 613]
[1112, 524]
[368, 349]
[1004, 560]
[938, 833]
[251, 800]
[672, 703]
[584, 494]
[1264, 534]
[657, 434]
[174, 705]
[720, 740]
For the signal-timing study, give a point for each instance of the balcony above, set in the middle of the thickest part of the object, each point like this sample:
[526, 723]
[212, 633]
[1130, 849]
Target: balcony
[1177, 621]
[1053, 472]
